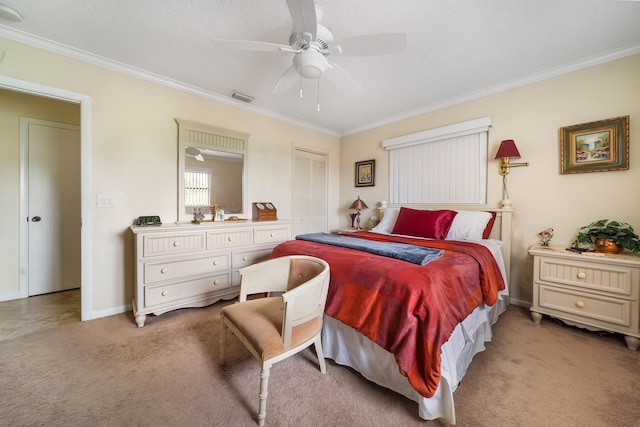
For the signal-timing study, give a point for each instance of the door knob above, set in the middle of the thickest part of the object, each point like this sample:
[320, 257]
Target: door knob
[36, 219]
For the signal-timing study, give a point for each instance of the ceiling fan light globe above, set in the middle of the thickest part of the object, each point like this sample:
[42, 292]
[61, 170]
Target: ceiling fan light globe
[310, 64]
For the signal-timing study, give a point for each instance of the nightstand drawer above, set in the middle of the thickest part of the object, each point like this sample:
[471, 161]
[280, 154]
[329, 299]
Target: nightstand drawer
[576, 304]
[587, 275]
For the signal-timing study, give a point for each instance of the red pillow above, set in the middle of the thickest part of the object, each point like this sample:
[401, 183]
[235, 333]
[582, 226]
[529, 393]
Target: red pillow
[424, 223]
[487, 230]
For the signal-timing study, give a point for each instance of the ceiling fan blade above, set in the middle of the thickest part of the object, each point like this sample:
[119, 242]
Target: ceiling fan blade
[343, 80]
[286, 81]
[303, 15]
[250, 45]
[370, 45]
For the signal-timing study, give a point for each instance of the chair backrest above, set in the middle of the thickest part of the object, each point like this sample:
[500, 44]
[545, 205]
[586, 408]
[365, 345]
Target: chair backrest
[306, 295]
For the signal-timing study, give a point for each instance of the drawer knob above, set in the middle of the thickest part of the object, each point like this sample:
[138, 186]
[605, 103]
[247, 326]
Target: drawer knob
[165, 293]
[582, 275]
[215, 262]
[176, 244]
[163, 270]
[229, 238]
[215, 282]
[579, 304]
[271, 235]
[244, 258]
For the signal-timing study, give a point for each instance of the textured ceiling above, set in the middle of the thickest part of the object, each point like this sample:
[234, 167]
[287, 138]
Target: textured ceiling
[458, 49]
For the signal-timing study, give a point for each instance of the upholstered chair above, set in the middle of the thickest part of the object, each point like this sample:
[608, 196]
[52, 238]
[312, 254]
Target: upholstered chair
[276, 327]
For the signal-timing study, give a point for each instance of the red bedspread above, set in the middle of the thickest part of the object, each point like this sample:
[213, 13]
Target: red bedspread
[407, 309]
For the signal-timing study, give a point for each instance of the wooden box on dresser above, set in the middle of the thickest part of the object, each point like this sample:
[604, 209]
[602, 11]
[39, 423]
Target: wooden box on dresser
[194, 265]
[592, 291]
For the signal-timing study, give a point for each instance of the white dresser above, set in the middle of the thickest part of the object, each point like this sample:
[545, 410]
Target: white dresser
[597, 292]
[194, 265]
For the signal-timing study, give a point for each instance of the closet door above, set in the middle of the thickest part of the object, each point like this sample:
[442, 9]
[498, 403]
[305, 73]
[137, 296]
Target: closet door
[309, 192]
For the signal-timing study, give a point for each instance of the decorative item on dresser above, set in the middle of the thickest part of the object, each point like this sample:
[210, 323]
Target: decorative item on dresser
[591, 290]
[546, 236]
[186, 265]
[264, 211]
[608, 236]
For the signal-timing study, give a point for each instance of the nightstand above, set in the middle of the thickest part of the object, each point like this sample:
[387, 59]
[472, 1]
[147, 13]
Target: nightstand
[589, 290]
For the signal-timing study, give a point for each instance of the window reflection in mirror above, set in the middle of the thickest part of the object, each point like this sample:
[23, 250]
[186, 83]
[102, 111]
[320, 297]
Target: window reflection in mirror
[212, 178]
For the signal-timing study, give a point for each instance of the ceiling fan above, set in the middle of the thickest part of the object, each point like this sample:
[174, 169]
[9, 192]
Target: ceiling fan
[312, 43]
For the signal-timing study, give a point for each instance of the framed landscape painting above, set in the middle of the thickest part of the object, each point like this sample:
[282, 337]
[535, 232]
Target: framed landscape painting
[595, 146]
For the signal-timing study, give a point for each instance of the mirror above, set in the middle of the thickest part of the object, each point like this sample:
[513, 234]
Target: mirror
[211, 170]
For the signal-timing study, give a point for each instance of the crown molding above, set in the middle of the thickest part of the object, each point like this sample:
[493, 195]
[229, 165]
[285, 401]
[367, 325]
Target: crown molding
[532, 78]
[81, 55]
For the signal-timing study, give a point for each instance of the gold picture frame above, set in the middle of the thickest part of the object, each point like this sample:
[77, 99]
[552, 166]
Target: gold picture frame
[599, 146]
[365, 173]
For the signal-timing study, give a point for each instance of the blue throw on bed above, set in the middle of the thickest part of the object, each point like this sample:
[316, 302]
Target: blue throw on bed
[402, 251]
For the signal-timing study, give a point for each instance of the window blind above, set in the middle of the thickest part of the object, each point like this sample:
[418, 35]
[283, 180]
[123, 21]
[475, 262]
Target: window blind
[196, 188]
[440, 166]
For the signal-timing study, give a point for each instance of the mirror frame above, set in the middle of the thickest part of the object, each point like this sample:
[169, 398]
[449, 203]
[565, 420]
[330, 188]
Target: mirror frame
[213, 138]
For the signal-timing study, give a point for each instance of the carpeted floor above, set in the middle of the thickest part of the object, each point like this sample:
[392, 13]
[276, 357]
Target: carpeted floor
[107, 372]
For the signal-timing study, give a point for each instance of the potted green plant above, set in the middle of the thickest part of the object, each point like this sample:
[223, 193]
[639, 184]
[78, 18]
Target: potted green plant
[604, 232]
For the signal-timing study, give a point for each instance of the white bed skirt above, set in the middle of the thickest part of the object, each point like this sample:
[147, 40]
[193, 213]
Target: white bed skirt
[347, 347]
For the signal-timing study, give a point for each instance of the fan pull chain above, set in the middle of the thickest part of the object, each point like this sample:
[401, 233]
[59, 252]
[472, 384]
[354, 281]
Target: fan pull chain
[318, 109]
[300, 87]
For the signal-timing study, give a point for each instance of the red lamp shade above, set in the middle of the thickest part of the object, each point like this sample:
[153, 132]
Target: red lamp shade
[507, 149]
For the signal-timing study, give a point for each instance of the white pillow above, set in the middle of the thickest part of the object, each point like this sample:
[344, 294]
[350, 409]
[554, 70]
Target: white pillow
[388, 221]
[468, 225]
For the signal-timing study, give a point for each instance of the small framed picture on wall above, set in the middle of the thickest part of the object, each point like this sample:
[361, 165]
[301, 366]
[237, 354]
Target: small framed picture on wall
[365, 173]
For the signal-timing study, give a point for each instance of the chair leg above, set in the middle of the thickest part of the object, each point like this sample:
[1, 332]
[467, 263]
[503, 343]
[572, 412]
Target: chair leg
[319, 352]
[223, 341]
[264, 392]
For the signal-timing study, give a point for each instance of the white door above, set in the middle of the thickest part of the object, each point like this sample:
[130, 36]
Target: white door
[54, 221]
[309, 192]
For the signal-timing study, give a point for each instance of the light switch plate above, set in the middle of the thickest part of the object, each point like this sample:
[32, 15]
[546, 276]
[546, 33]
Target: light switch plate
[104, 201]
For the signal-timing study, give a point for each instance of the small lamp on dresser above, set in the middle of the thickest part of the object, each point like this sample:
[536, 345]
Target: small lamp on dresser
[358, 205]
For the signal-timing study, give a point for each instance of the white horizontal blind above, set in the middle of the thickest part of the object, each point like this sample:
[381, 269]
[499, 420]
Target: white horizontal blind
[441, 166]
[196, 188]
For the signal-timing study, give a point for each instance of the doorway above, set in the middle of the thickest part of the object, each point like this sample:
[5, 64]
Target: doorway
[84, 101]
[50, 161]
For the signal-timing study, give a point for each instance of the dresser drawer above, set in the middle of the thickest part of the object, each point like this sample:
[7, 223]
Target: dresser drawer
[172, 244]
[229, 238]
[243, 259]
[264, 235]
[614, 279]
[167, 270]
[156, 295]
[599, 308]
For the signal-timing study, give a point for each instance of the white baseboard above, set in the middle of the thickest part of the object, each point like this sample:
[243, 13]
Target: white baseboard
[96, 314]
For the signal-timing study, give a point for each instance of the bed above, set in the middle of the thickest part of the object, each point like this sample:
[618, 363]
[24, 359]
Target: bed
[395, 340]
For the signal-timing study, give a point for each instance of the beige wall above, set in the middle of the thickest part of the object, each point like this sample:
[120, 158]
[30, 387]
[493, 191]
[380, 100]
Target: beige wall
[134, 157]
[532, 116]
